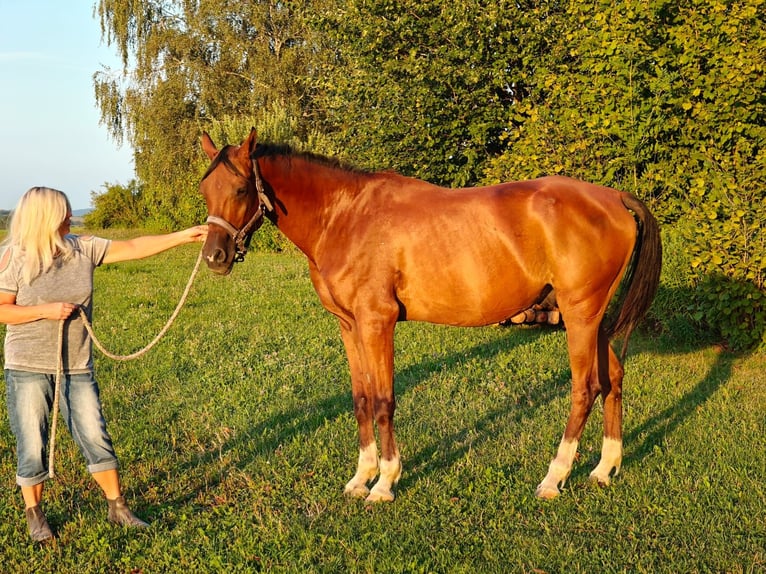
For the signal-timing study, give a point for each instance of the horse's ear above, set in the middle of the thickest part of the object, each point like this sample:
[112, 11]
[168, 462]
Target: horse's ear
[208, 146]
[247, 147]
[252, 140]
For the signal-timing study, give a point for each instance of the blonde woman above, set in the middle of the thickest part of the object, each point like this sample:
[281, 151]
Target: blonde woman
[45, 275]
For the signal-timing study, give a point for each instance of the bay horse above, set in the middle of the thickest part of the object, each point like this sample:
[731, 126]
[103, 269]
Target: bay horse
[384, 248]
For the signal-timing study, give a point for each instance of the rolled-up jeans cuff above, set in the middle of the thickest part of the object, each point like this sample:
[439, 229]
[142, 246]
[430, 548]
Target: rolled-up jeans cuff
[33, 480]
[102, 466]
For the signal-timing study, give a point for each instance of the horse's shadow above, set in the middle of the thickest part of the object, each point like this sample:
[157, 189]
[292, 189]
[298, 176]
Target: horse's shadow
[448, 449]
[682, 336]
[642, 439]
[251, 443]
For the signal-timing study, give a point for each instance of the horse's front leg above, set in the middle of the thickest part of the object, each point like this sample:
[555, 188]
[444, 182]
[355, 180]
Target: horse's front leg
[361, 391]
[390, 461]
[373, 339]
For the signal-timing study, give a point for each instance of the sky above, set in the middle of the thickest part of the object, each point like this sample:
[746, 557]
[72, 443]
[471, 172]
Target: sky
[49, 121]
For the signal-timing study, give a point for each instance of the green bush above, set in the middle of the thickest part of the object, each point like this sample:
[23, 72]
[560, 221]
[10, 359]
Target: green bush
[672, 312]
[700, 307]
[665, 101]
[117, 206]
[735, 309]
[728, 259]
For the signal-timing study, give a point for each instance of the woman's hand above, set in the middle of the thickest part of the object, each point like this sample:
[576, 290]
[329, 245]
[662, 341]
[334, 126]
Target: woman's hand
[197, 233]
[58, 311]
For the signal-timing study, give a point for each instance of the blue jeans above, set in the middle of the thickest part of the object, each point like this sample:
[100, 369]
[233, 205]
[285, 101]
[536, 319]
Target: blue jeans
[30, 399]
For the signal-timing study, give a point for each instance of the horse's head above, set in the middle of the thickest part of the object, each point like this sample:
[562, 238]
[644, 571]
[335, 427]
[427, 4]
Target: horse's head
[234, 202]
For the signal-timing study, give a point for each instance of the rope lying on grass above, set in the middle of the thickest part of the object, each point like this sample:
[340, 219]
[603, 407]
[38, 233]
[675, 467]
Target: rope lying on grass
[89, 328]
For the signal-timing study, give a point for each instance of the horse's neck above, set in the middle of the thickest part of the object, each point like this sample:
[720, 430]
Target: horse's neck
[307, 196]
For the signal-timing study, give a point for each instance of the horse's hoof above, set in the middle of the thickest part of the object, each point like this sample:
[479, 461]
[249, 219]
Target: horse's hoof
[380, 496]
[356, 491]
[596, 478]
[546, 492]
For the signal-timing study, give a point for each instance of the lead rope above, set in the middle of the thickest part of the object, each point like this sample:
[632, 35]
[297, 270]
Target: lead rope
[89, 328]
[56, 394]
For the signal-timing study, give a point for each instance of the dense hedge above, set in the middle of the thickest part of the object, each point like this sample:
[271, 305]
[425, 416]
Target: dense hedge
[663, 98]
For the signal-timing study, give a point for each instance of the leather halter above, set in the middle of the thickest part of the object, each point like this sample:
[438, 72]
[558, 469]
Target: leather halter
[241, 236]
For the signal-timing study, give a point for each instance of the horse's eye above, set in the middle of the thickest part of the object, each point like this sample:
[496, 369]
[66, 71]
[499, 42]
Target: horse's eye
[242, 191]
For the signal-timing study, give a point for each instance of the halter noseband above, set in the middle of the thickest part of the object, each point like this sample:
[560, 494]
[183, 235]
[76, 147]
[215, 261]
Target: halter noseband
[241, 236]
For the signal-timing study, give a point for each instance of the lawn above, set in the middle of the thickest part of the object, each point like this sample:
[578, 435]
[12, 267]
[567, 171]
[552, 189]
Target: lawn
[236, 436]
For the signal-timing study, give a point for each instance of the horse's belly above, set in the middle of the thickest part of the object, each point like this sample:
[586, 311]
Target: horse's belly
[467, 301]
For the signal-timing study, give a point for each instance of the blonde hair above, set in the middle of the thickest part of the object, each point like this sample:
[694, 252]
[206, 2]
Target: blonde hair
[34, 230]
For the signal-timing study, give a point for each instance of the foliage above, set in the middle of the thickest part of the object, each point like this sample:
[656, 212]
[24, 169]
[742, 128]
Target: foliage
[725, 135]
[188, 65]
[728, 247]
[117, 206]
[236, 435]
[662, 98]
[736, 309]
[275, 124]
[672, 313]
[667, 100]
[423, 87]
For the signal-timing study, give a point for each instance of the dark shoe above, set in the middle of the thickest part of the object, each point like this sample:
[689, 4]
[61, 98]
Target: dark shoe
[38, 525]
[120, 514]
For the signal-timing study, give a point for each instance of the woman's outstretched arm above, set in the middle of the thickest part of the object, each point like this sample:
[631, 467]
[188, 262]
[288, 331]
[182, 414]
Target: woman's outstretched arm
[149, 245]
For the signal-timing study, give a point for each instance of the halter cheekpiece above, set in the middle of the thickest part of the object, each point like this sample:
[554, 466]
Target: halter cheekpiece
[241, 236]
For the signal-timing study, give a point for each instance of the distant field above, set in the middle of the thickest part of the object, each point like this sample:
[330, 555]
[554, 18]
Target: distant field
[236, 437]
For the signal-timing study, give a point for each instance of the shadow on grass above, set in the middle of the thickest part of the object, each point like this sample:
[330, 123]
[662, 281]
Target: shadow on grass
[260, 438]
[454, 446]
[680, 334]
[641, 441]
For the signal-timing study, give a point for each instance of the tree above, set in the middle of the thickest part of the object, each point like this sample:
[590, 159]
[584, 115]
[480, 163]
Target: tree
[667, 100]
[663, 98]
[188, 66]
[425, 87]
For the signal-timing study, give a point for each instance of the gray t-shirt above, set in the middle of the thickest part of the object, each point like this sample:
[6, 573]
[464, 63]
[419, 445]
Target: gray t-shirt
[34, 346]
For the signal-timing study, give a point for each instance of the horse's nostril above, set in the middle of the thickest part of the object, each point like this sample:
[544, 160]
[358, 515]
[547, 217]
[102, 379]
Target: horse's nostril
[217, 256]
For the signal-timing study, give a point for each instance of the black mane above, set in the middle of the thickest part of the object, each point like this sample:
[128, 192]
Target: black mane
[284, 150]
[272, 150]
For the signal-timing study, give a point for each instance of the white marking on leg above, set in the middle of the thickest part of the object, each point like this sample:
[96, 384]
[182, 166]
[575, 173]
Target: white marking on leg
[366, 470]
[390, 473]
[611, 458]
[558, 470]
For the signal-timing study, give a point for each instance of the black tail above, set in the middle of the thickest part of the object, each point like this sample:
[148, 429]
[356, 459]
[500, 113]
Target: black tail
[642, 277]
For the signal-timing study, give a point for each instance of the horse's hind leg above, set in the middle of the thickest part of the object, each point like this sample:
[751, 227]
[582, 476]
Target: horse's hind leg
[581, 337]
[610, 374]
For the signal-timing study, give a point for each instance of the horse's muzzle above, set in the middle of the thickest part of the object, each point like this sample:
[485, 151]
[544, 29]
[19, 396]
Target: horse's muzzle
[219, 260]
[216, 263]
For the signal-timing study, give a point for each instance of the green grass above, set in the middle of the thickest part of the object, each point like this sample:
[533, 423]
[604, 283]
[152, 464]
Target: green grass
[236, 436]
